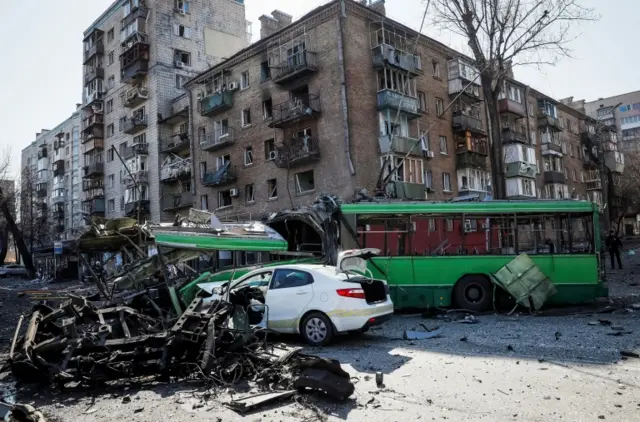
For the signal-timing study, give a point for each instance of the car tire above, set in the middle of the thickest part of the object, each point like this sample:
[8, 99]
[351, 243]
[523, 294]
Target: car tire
[316, 329]
[474, 293]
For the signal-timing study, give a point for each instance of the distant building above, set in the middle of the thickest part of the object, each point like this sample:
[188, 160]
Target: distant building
[8, 194]
[625, 117]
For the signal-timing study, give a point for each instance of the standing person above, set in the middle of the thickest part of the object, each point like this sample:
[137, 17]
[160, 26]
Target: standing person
[614, 244]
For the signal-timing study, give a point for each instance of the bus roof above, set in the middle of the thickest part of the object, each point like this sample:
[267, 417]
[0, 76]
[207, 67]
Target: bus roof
[484, 207]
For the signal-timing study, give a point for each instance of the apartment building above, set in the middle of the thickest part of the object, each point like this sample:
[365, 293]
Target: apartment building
[137, 56]
[623, 113]
[50, 203]
[324, 104]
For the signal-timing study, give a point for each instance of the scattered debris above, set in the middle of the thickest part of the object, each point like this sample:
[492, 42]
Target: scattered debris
[254, 401]
[379, 379]
[629, 354]
[469, 319]
[26, 413]
[422, 335]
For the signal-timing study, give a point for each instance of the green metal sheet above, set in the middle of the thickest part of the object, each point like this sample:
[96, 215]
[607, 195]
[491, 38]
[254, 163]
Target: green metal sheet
[219, 241]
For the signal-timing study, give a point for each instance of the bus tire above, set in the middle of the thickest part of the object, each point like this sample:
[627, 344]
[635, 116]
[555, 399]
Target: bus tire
[474, 293]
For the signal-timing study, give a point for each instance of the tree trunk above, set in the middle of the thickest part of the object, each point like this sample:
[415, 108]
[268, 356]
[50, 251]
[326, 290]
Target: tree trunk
[4, 243]
[495, 132]
[17, 237]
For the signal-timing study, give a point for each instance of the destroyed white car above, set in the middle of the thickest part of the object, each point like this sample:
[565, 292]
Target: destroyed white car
[316, 301]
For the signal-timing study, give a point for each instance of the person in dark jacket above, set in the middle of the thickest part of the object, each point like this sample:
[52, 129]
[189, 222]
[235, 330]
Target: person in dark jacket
[614, 244]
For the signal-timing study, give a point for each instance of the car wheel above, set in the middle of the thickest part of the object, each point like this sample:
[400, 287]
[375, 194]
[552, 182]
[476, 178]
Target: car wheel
[316, 329]
[473, 293]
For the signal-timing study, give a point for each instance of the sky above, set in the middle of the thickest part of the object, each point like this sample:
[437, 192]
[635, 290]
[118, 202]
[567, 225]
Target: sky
[42, 57]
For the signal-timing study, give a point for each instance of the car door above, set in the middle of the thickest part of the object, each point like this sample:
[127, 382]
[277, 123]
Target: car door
[290, 292]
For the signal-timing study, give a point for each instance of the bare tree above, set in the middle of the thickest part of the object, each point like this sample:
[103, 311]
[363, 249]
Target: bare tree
[506, 33]
[626, 191]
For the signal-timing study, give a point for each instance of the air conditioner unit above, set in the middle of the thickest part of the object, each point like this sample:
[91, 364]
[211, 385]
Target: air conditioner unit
[233, 86]
[233, 192]
[272, 155]
[429, 154]
[179, 64]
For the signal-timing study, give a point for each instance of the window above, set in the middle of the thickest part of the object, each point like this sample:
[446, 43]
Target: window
[110, 35]
[272, 188]
[246, 117]
[418, 59]
[122, 202]
[574, 175]
[422, 101]
[249, 195]
[222, 161]
[180, 81]
[181, 31]
[265, 71]
[436, 68]
[182, 6]
[267, 109]
[568, 125]
[111, 58]
[244, 80]
[439, 106]
[109, 106]
[269, 149]
[304, 181]
[531, 109]
[449, 223]
[111, 205]
[432, 224]
[287, 279]
[182, 58]
[224, 199]
[443, 145]
[66, 150]
[571, 150]
[111, 82]
[203, 170]
[446, 182]
[428, 179]
[112, 180]
[204, 202]
[110, 156]
[527, 187]
[248, 156]
[533, 137]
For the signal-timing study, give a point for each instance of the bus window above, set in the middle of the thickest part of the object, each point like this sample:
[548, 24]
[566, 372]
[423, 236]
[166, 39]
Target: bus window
[581, 234]
[371, 233]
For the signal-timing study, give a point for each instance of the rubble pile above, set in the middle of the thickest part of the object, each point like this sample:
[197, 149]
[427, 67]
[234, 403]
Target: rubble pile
[92, 342]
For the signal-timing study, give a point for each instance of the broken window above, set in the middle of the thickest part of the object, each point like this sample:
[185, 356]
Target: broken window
[182, 6]
[272, 188]
[182, 58]
[224, 198]
[304, 181]
[246, 117]
[182, 31]
[265, 71]
[222, 161]
[248, 156]
[267, 108]
[249, 195]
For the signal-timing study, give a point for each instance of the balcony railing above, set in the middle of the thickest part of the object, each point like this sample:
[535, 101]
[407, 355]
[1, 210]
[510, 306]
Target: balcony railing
[135, 96]
[296, 152]
[179, 115]
[521, 169]
[94, 142]
[406, 190]
[223, 176]
[463, 122]
[172, 202]
[94, 206]
[96, 50]
[594, 185]
[41, 191]
[94, 133]
[548, 121]
[180, 169]
[92, 184]
[134, 62]
[134, 124]
[91, 121]
[554, 177]
[302, 107]
[59, 199]
[510, 135]
[215, 103]
[217, 140]
[385, 54]
[95, 169]
[92, 99]
[135, 178]
[475, 146]
[400, 145]
[508, 106]
[395, 100]
[96, 72]
[91, 194]
[614, 161]
[467, 159]
[133, 150]
[131, 208]
[293, 67]
[550, 148]
[175, 143]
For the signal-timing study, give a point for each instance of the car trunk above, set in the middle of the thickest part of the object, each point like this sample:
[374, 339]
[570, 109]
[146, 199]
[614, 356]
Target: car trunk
[375, 291]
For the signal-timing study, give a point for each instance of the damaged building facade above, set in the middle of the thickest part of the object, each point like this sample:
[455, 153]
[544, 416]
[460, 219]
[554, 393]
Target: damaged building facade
[333, 101]
[137, 56]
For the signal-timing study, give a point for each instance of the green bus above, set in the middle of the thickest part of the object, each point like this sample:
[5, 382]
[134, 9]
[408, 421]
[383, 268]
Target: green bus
[441, 254]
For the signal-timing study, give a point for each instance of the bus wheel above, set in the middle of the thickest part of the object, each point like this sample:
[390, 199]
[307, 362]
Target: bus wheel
[473, 293]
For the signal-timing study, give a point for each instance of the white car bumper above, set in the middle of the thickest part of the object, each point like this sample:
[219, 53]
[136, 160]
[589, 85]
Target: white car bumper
[353, 319]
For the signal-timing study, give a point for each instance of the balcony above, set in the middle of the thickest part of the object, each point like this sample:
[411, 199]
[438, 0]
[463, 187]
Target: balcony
[94, 206]
[133, 150]
[91, 74]
[297, 152]
[41, 190]
[471, 159]
[215, 103]
[58, 214]
[223, 176]
[388, 99]
[471, 92]
[94, 134]
[93, 143]
[176, 116]
[303, 107]
[60, 199]
[138, 11]
[545, 120]
[218, 139]
[521, 169]
[58, 183]
[551, 148]
[177, 143]
[594, 185]
[614, 161]
[406, 190]
[513, 136]
[134, 62]
[387, 55]
[400, 145]
[92, 121]
[95, 193]
[179, 169]
[173, 202]
[96, 49]
[134, 124]
[58, 168]
[134, 96]
[91, 184]
[514, 108]
[296, 66]
[554, 177]
[43, 153]
[140, 177]
[131, 209]
[92, 170]
[463, 123]
[93, 99]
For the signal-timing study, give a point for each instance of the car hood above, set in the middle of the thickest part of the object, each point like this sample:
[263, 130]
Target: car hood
[355, 259]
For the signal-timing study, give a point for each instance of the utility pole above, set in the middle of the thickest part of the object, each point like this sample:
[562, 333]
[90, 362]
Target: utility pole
[137, 187]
